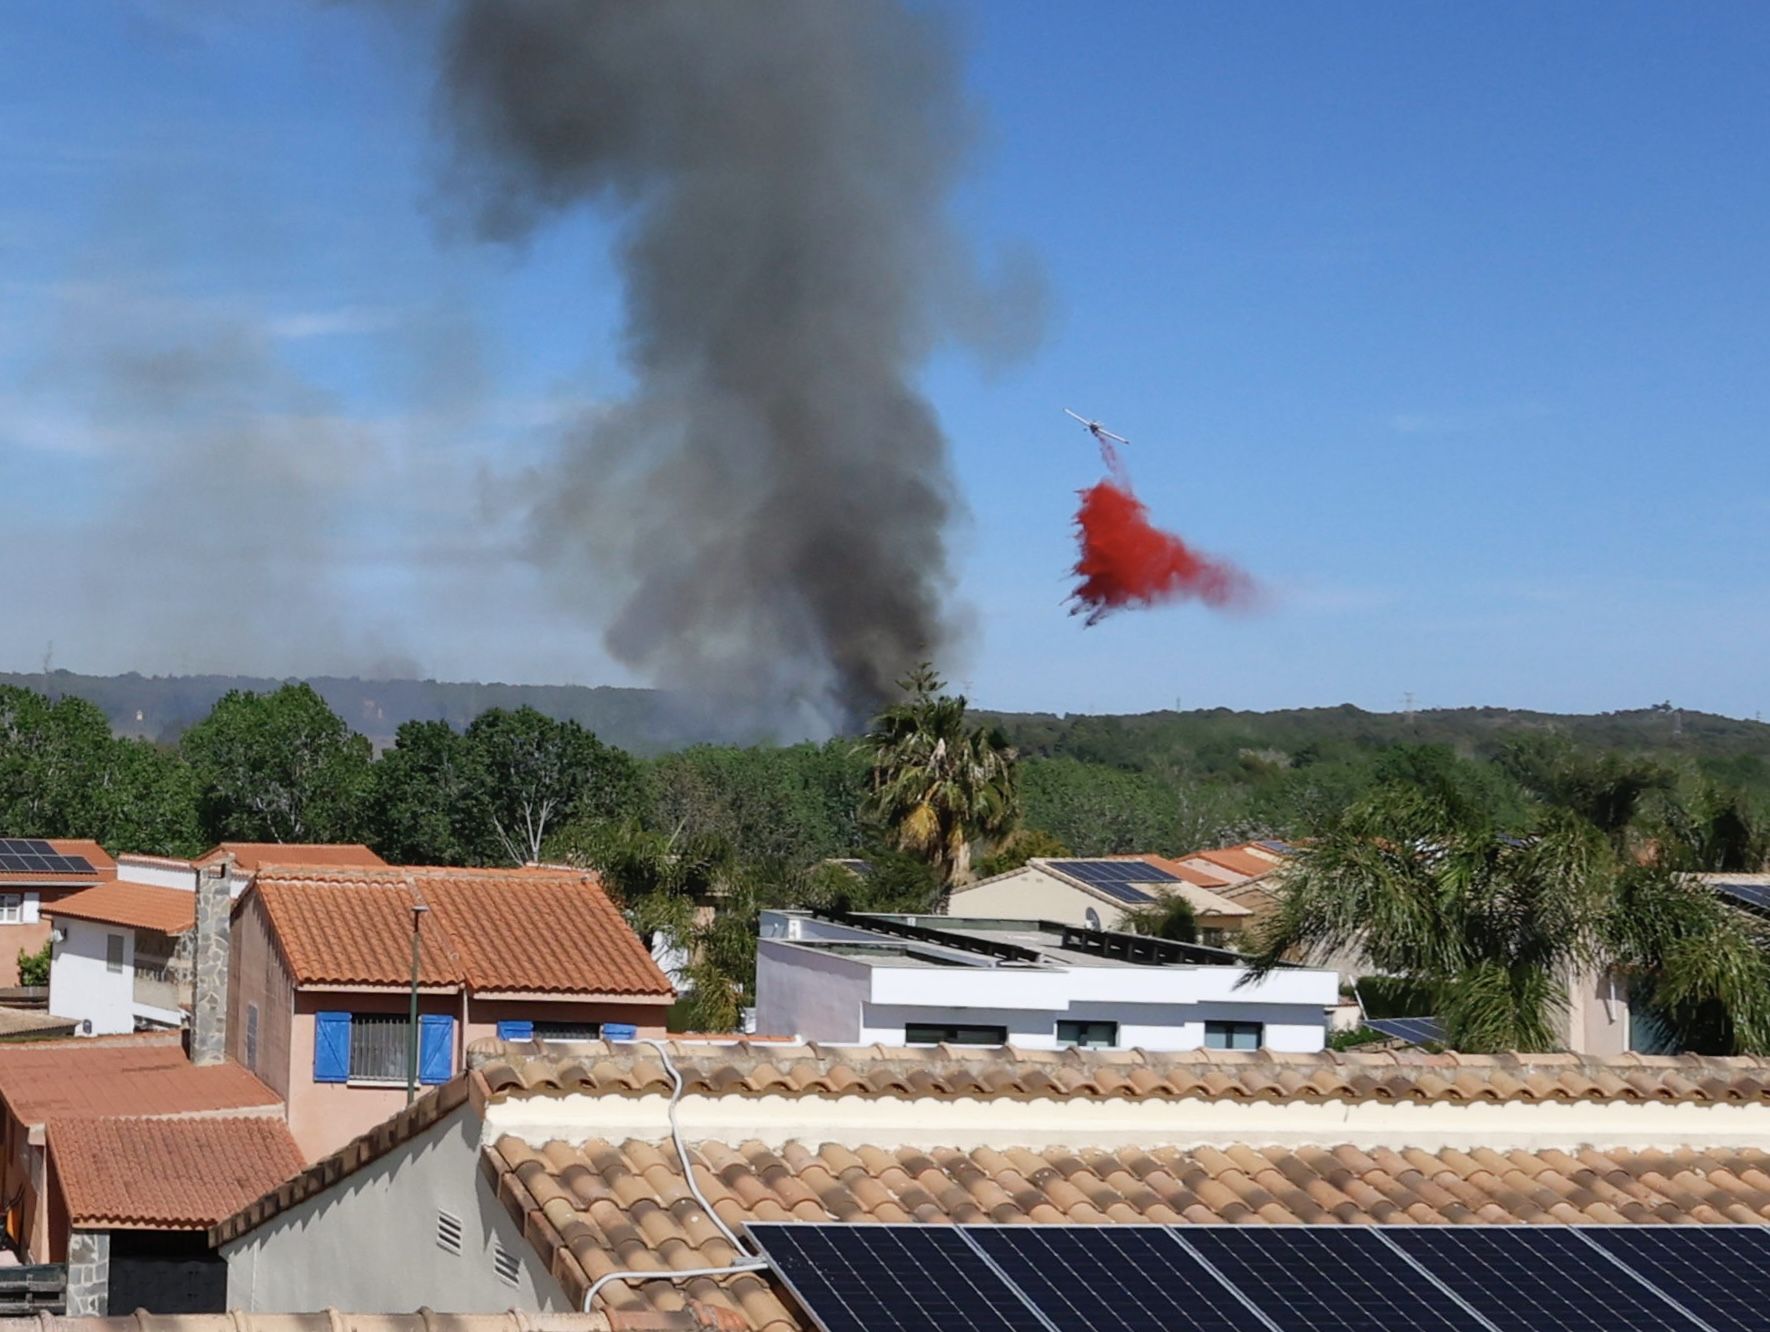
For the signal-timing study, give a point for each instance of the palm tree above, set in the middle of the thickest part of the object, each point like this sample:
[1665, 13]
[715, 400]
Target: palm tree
[1425, 887]
[937, 784]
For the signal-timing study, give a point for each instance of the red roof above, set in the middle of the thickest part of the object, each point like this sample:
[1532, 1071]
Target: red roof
[252, 856]
[91, 1079]
[549, 931]
[1236, 860]
[168, 1174]
[140, 905]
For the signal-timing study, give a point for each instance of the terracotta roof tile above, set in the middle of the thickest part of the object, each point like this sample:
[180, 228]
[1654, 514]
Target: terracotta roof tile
[90, 1079]
[141, 905]
[183, 1174]
[253, 856]
[519, 930]
[944, 1072]
[602, 1204]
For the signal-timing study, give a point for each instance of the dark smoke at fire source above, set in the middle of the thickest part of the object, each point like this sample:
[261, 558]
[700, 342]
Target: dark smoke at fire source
[769, 507]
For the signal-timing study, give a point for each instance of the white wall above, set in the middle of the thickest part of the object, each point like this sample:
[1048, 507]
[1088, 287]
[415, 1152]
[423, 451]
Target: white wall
[156, 875]
[799, 992]
[369, 1243]
[81, 987]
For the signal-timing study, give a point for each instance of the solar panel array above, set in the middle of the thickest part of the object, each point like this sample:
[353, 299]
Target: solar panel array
[32, 855]
[1413, 1030]
[1274, 845]
[1118, 879]
[1256, 1278]
[1755, 895]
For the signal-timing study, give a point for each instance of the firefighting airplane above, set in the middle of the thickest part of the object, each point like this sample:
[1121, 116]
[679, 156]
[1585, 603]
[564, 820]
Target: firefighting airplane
[1101, 433]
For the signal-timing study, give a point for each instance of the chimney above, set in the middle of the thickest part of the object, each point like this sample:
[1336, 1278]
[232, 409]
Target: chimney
[209, 997]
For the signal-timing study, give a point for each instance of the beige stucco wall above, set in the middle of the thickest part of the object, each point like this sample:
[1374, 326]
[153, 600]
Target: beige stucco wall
[1031, 894]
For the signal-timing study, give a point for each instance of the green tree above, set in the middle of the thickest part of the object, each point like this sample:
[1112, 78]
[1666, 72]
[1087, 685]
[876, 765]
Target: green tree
[1170, 917]
[144, 798]
[1428, 888]
[278, 767]
[33, 968]
[425, 799]
[1020, 846]
[939, 784]
[535, 775]
[51, 756]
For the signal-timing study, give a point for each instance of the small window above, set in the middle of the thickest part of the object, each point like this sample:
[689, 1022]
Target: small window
[113, 953]
[565, 1032]
[506, 1264]
[448, 1232]
[1234, 1035]
[252, 1037]
[1088, 1033]
[378, 1050]
[935, 1033]
[12, 908]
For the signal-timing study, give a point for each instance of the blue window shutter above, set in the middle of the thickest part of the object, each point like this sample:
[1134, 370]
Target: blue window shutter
[331, 1047]
[436, 1047]
[516, 1031]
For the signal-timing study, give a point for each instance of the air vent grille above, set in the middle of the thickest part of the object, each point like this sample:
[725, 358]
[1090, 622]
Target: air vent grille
[505, 1264]
[448, 1232]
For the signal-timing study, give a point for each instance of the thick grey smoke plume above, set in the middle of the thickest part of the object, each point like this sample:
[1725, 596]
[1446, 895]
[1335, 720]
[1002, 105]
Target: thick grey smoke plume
[769, 507]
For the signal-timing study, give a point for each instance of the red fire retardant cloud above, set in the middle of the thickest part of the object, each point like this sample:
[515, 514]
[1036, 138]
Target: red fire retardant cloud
[1127, 562]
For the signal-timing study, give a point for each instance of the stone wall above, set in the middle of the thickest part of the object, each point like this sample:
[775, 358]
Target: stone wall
[209, 1001]
[89, 1273]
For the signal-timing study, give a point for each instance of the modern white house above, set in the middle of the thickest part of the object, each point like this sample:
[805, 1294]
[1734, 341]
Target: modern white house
[121, 955]
[913, 980]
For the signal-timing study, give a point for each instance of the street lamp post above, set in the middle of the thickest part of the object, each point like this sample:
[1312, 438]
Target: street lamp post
[418, 910]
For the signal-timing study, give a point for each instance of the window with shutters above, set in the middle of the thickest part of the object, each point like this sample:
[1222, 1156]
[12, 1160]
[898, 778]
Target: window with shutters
[566, 1032]
[378, 1050]
[12, 908]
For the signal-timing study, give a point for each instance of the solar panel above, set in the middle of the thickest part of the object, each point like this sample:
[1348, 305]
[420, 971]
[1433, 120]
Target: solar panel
[1274, 845]
[1537, 1279]
[1719, 1273]
[893, 1279]
[1413, 1030]
[1113, 1279]
[1115, 878]
[32, 855]
[1751, 894]
[1339, 1279]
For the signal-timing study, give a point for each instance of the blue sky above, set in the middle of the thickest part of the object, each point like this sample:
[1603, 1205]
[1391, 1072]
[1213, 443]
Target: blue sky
[1446, 321]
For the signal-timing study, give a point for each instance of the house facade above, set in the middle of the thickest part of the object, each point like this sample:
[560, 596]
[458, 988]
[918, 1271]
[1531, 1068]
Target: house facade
[34, 873]
[1097, 892]
[900, 980]
[120, 957]
[320, 980]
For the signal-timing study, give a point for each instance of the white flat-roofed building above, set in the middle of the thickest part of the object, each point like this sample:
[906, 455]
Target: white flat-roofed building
[900, 979]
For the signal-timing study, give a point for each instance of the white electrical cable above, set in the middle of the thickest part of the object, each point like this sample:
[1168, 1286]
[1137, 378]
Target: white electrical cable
[680, 1273]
